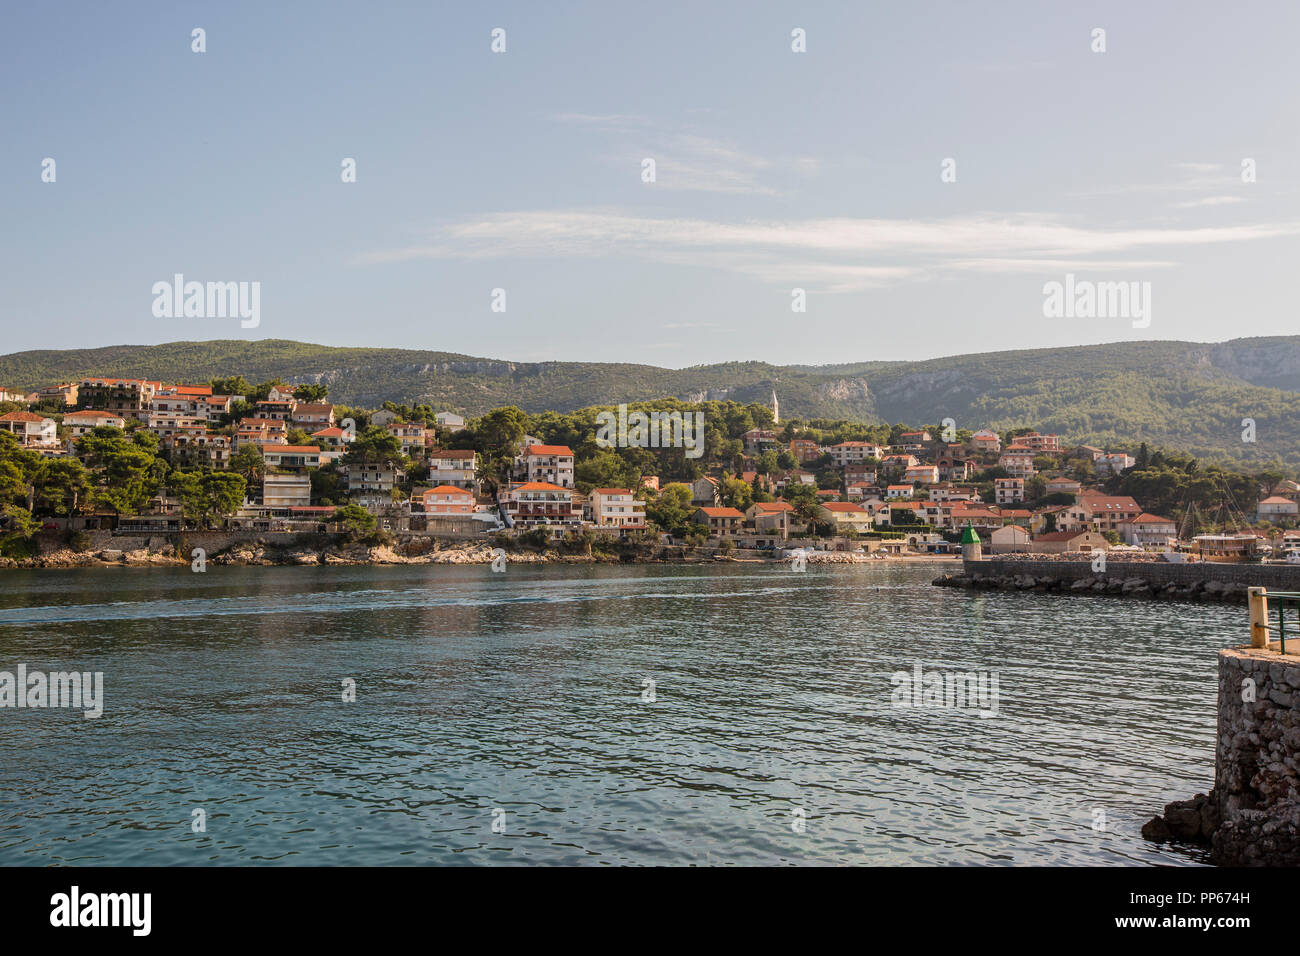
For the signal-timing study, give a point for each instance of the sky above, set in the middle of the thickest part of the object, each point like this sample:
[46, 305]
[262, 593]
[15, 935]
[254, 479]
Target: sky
[774, 170]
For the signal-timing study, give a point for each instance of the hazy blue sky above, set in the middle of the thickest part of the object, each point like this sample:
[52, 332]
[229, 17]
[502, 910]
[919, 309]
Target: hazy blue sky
[775, 170]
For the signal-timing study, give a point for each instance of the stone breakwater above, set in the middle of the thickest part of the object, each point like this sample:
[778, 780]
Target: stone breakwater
[1252, 815]
[1125, 586]
[1201, 581]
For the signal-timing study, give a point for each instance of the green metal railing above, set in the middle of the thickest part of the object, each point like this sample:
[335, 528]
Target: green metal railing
[1282, 599]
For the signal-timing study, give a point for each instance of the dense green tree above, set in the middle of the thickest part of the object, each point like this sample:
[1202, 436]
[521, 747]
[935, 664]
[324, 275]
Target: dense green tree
[671, 508]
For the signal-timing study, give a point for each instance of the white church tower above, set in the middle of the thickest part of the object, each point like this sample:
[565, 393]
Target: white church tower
[776, 409]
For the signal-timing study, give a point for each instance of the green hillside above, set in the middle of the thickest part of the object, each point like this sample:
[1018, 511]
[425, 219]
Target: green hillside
[1179, 394]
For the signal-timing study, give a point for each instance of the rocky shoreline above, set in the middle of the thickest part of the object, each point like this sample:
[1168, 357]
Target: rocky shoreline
[1129, 585]
[265, 554]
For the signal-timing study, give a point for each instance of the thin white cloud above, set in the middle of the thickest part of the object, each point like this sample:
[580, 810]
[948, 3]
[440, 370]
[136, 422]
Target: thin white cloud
[687, 160]
[1208, 201]
[839, 254]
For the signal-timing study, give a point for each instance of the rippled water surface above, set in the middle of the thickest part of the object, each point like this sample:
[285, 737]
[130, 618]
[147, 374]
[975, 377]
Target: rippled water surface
[523, 692]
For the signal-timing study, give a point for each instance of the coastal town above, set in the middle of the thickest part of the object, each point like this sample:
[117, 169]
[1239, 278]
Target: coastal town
[137, 456]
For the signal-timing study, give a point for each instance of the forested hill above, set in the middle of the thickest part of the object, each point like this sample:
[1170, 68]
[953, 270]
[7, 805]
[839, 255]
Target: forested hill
[1178, 394]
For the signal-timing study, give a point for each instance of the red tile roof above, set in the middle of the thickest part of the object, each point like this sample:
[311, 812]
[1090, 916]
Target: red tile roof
[549, 450]
[722, 512]
[447, 490]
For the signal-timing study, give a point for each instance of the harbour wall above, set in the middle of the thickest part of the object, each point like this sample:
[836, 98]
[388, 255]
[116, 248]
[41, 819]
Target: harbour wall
[1278, 577]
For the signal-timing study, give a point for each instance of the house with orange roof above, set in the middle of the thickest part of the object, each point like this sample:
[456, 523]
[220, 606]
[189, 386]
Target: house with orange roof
[1149, 531]
[291, 456]
[31, 430]
[719, 521]
[1277, 508]
[444, 500]
[615, 508]
[845, 516]
[899, 491]
[771, 517]
[540, 503]
[550, 464]
[313, 415]
[986, 440]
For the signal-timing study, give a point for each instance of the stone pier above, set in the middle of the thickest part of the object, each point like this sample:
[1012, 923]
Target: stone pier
[1252, 816]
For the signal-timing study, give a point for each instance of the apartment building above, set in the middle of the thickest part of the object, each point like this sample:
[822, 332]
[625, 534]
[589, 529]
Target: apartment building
[282, 491]
[615, 508]
[83, 422]
[1008, 491]
[1018, 462]
[547, 464]
[535, 503]
[453, 467]
[128, 397]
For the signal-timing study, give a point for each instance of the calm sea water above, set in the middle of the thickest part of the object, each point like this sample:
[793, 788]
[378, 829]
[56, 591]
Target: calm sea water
[523, 692]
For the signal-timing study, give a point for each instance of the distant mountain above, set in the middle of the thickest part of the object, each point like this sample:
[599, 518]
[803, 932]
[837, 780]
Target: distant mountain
[1179, 394]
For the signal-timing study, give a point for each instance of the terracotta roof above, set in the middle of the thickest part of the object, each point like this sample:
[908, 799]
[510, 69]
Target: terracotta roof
[540, 486]
[311, 407]
[447, 490]
[549, 450]
[846, 507]
[332, 432]
[1277, 500]
[611, 491]
[21, 417]
[1145, 518]
[722, 512]
[90, 413]
[1060, 535]
[773, 506]
[305, 449]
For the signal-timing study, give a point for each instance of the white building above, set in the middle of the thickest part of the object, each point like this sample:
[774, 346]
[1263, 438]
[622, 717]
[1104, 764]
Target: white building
[453, 467]
[614, 508]
[286, 491]
[549, 464]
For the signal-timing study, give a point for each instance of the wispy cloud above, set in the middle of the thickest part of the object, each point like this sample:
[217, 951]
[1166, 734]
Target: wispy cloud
[688, 160]
[837, 255]
[1208, 201]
